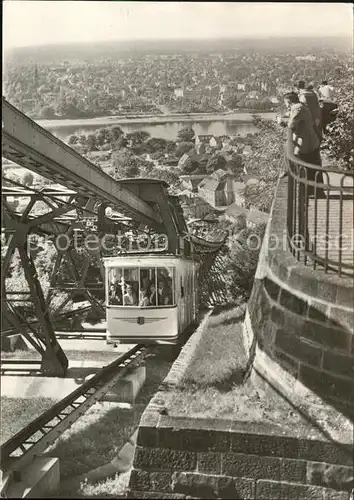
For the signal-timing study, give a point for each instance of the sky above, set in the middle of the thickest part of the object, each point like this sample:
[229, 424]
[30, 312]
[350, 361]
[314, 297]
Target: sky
[28, 23]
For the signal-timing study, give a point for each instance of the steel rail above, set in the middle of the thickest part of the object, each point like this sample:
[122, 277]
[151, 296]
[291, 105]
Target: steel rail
[35, 438]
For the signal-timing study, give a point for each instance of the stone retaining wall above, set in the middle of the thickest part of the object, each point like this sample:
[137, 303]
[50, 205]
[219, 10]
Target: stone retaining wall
[304, 319]
[180, 457]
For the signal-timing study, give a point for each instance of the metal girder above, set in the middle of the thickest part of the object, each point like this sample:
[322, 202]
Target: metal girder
[30, 325]
[40, 332]
[86, 193]
[54, 361]
[33, 147]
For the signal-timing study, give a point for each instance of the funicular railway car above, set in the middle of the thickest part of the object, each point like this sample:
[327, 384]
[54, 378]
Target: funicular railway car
[149, 298]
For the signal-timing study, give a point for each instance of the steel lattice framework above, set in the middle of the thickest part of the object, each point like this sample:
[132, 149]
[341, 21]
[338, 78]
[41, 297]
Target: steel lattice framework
[66, 216]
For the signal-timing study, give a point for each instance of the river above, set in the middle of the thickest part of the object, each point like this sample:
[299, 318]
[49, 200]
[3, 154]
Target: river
[166, 127]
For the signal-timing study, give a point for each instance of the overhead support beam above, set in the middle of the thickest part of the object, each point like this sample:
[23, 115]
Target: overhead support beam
[154, 191]
[33, 147]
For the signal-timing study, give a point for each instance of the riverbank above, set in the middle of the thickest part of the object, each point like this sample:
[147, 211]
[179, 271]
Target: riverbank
[240, 117]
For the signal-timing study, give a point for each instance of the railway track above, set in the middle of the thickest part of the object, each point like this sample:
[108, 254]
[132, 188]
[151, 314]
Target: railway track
[19, 451]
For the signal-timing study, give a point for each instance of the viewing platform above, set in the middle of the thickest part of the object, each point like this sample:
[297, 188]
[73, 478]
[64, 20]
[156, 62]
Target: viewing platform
[300, 316]
[321, 212]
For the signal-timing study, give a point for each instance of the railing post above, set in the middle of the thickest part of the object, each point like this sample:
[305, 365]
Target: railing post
[290, 208]
[301, 216]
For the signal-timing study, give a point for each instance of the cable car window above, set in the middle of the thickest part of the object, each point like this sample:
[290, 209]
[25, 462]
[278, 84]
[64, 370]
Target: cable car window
[115, 282]
[148, 295]
[165, 286]
[131, 286]
[141, 287]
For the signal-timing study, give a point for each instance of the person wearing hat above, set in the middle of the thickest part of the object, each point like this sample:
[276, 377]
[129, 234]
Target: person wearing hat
[329, 106]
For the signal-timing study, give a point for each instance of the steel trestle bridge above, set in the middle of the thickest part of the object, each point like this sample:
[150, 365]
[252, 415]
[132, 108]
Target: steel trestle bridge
[77, 207]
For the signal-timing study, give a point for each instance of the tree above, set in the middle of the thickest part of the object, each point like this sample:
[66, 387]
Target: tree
[231, 102]
[243, 261]
[103, 136]
[186, 134]
[115, 133]
[91, 142]
[47, 113]
[13, 204]
[170, 147]
[241, 103]
[156, 144]
[67, 109]
[27, 178]
[215, 162]
[251, 194]
[202, 161]
[234, 163]
[186, 166]
[267, 159]
[12, 176]
[265, 104]
[140, 149]
[184, 147]
[240, 224]
[339, 138]
[120, 143]
[198, 169]
[137, 137]
[166, 175]
[125, 164]
[73, 139]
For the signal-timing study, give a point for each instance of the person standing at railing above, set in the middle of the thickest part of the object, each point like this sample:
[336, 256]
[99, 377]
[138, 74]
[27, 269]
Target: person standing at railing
[299, 87]
[329, 106]
[326, 92]
[303, 142]
[302, 136]
[309, 97]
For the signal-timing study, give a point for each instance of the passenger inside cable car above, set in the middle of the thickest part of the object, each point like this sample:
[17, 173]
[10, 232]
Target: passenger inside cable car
[164, 293]
[153, 296]
[115, 295]
[129, 298]
[144, 301]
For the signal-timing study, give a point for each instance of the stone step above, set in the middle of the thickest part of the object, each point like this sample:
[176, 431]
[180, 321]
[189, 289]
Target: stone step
[38, 480]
